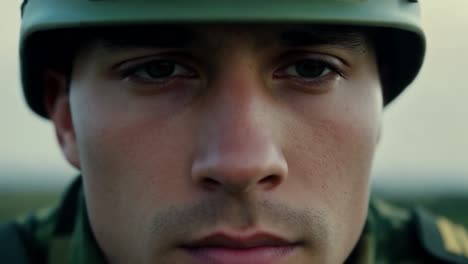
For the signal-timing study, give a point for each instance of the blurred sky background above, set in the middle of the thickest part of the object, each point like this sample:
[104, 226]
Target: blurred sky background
[425, 136]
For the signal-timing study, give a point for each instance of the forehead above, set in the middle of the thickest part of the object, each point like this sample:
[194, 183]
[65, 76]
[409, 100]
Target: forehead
[182, 36]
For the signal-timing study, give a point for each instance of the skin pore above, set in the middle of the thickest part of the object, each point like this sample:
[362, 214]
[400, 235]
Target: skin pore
[197, 134]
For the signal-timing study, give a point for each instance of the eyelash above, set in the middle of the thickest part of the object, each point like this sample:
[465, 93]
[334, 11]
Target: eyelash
[130, 69]
[333, 65]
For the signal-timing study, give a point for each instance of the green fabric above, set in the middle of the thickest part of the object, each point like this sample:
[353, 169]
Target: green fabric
[391, 235]
[63, 235]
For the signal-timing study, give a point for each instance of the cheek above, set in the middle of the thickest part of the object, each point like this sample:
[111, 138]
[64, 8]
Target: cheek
[128, 139]
[334, 159]
[332, 141]
[127, 152]
[331, 149]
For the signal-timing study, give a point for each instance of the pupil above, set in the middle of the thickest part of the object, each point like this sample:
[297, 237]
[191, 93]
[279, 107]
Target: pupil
[310, 69]
[161, 69]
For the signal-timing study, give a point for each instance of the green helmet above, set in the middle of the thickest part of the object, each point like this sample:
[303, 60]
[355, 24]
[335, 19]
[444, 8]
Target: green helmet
[397, 20]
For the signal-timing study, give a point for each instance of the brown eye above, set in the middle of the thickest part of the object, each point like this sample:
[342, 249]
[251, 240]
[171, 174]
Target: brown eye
[159, 70]
[308, 69]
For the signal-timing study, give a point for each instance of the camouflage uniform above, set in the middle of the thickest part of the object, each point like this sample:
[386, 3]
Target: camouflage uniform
[392, 235]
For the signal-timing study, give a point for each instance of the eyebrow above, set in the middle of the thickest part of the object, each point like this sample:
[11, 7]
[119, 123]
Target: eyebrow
[162, 37]
[345, 38]
[175, 36]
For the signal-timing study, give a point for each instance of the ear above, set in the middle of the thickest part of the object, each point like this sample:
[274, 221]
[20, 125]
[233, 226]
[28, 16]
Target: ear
[57, 103]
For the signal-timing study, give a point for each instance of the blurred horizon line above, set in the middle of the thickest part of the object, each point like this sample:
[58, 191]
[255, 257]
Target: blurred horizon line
[399, 180]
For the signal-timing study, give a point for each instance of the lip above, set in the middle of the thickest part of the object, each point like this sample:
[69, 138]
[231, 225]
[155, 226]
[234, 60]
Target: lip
[258, 248]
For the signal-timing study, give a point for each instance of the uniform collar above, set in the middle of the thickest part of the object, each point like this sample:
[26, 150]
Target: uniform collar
[73, 241]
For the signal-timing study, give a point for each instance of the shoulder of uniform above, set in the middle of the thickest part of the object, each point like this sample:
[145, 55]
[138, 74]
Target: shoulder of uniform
[57, 219]
[416, 234]
[39, 235]
[441, 237]
[390, 217]
[13, 248]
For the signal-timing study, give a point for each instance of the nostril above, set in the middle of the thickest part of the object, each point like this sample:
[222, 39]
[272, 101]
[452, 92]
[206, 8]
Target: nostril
[270, 181]
[210, 183]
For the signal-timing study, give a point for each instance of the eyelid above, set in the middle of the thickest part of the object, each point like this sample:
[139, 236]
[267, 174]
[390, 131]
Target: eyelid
[333, 70]
[338, 70]
[327, 69]
[128, 66]
[336, 64]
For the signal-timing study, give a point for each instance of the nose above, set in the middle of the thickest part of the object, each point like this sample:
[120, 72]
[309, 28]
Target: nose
[238, 151]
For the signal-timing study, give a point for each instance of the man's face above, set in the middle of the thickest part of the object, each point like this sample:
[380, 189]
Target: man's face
[225, 144]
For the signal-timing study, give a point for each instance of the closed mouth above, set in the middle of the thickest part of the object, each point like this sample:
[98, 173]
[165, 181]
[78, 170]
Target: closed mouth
[259, 248]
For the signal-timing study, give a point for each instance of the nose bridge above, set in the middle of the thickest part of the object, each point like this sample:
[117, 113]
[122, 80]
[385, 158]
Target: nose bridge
[237, 147]
[237, 106]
